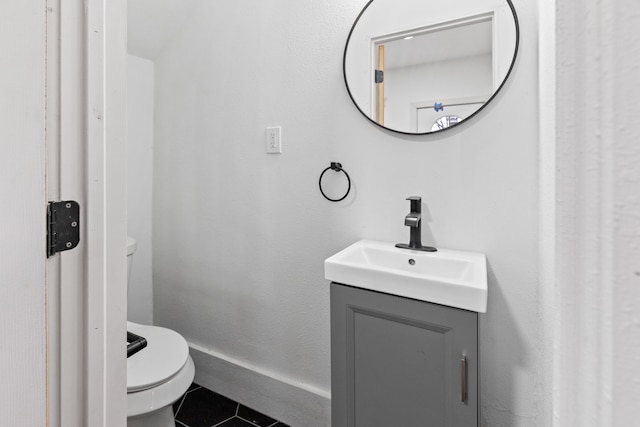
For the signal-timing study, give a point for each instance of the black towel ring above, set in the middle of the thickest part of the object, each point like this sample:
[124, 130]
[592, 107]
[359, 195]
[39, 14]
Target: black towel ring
[335, 166]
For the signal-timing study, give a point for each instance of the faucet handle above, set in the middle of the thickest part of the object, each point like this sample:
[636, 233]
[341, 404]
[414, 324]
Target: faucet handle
[413, 220]
[416, 205]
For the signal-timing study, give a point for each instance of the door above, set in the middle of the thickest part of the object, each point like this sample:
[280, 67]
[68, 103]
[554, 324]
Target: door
[379, 80]
[22, 221]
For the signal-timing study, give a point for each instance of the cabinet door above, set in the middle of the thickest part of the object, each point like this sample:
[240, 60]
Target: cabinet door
[397, 362]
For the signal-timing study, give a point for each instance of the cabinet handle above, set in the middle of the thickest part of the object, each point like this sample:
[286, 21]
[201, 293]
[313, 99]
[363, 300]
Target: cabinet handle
[463, 377]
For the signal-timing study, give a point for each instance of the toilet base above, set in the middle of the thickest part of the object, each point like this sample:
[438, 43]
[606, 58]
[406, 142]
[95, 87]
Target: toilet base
[161, 418]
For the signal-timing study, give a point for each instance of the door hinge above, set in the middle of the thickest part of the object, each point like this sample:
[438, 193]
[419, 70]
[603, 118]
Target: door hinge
[379, 76]
[63, 226]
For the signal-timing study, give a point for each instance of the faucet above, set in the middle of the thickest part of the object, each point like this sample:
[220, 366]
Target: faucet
[413, 220]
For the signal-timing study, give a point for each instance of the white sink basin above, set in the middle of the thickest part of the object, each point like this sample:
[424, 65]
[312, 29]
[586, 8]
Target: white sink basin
[454, 278]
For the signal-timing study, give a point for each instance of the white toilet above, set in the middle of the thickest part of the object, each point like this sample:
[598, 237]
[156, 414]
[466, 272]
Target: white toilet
[157, 375]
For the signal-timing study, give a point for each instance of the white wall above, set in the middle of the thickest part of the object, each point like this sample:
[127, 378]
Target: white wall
[22, 191]
[434, 82]
[140, 86]
[153, 23]
[597, 257]
[240, 236]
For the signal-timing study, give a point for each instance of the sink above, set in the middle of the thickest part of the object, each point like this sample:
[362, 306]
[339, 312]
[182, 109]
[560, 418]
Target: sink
[447, 277]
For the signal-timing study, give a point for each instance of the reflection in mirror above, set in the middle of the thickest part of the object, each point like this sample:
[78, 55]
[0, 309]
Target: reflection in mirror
[413, 66]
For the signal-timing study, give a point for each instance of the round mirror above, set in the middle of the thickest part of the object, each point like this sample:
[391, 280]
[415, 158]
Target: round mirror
[424, 66]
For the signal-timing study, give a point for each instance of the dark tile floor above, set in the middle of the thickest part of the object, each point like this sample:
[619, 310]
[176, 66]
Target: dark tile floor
[201, 407]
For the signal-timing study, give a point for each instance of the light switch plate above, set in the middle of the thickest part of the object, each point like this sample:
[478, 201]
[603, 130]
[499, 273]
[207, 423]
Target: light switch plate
[274, 140]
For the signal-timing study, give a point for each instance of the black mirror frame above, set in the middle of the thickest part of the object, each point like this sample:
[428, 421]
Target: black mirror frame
[506, 77]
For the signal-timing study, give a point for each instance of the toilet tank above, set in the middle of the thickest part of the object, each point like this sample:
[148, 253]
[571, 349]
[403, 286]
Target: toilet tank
[131, 249]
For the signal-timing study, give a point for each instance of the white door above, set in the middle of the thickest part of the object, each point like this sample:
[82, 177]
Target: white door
[22, 208]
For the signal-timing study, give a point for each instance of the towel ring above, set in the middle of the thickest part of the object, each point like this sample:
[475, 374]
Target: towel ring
[335, 166]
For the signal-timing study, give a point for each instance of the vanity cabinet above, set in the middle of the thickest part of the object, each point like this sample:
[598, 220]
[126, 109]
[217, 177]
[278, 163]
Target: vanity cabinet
[401, 362]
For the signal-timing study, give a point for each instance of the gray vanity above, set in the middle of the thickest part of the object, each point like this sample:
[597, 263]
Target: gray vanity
[401, 362]
[404, 336]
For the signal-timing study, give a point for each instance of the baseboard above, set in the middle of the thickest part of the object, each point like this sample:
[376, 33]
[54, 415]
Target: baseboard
[296, 404]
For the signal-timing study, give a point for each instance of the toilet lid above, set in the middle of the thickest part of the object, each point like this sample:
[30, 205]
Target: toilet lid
[165, 354]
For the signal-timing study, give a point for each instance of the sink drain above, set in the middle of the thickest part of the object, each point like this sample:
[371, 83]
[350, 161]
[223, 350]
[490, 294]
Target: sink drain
[412, 261]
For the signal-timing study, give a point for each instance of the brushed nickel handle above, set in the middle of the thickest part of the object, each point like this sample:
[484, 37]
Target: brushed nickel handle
[463, 377]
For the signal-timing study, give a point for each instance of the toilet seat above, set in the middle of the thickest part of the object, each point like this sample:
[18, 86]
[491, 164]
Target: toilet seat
[165, 355]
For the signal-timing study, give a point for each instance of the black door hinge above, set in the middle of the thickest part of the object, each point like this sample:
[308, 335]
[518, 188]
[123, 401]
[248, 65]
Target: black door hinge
[63, 226]
[378, 76]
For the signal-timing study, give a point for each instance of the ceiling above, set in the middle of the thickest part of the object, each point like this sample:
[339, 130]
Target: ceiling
[153, 23]
[441, 45]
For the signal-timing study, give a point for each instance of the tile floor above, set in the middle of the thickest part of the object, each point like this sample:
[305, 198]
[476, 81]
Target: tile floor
[201, 407]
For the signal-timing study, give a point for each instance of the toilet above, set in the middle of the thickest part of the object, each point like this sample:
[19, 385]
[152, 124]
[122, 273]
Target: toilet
[159, 374]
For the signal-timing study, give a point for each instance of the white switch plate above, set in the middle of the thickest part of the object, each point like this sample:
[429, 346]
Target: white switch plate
[274, 140]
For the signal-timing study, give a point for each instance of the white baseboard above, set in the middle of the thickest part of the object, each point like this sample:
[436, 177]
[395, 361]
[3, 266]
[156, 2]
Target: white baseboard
[293, 403]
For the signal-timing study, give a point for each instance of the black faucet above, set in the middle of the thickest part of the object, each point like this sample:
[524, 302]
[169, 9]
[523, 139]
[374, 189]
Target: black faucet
[414, 221]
